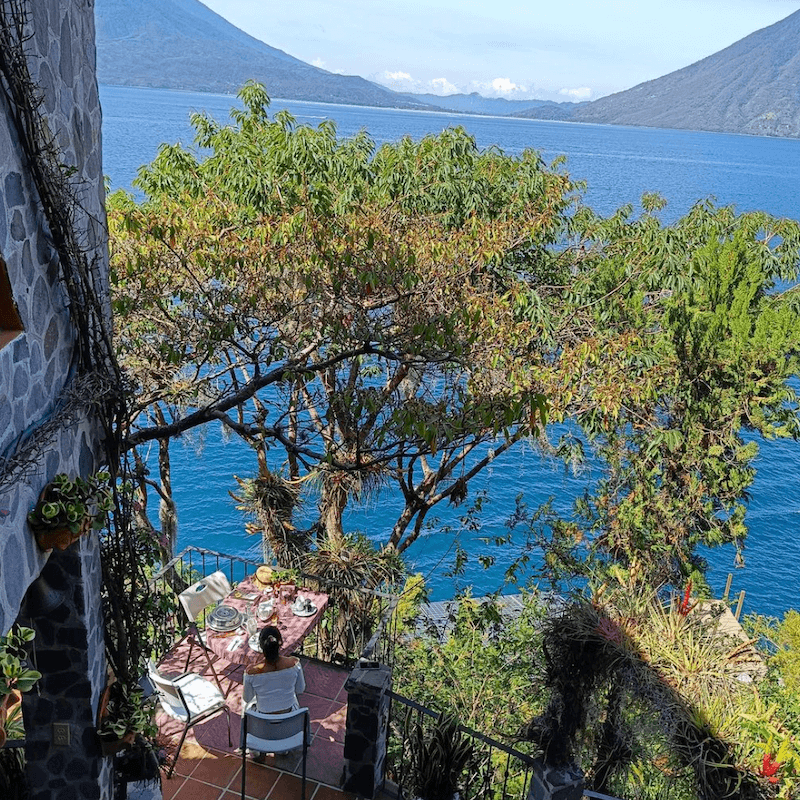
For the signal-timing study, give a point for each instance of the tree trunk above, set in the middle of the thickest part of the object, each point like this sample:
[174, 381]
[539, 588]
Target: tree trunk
[333, 502]
[167, 515]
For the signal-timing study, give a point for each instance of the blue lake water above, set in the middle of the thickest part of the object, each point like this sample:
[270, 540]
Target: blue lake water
[619, 164]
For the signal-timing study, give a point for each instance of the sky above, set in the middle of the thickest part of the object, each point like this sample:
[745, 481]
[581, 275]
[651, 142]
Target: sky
[568, 50]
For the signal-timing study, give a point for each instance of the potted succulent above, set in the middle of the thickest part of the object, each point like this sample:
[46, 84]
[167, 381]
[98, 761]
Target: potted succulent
[15, 676]
[124, 714]
[69, 507]
[438, 757]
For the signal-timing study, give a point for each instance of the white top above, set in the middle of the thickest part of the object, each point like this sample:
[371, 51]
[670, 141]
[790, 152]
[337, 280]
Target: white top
[275, 691]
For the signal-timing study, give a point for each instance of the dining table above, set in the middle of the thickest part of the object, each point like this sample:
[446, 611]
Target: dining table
[294, 623]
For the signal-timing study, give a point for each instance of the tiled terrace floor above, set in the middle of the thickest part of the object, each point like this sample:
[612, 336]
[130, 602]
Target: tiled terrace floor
[208, 769]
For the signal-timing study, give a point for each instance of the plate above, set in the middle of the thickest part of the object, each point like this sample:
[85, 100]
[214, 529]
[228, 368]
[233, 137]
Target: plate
[224, 618]
[304, 612]
[253, 642]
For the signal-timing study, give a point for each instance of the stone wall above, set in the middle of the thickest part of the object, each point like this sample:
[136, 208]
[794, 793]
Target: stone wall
[366, 729]
[37, 438]
[36, 365]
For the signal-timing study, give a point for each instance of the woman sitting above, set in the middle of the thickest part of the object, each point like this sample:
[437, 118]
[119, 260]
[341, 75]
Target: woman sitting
[276, 683]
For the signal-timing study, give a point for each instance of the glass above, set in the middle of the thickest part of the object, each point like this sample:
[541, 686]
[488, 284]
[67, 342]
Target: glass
[265, 609]
[250, 623]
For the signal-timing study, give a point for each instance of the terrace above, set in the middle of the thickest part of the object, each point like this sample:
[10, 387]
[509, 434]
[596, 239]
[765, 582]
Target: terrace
[208, 768]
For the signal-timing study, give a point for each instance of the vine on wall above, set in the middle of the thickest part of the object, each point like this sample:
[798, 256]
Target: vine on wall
[95, 385]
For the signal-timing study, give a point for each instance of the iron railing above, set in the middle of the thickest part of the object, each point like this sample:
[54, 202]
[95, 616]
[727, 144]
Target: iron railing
[497, 771]
[358, 622]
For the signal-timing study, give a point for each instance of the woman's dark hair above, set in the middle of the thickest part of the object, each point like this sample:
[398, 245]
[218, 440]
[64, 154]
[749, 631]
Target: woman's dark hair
[270, 641]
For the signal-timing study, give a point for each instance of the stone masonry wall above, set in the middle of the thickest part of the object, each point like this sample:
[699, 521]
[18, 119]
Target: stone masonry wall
[36, 365]
[34, 369]
[366, 729]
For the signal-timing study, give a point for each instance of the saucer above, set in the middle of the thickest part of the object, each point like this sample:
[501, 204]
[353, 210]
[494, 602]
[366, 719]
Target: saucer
[304, 612]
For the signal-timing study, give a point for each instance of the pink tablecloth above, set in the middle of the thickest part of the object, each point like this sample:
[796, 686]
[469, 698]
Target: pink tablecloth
[235, 648]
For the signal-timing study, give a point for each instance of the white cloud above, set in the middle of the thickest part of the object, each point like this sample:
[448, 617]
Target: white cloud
[318, 62]
[397, 81]
[404, 82]
[443, 86]
[583, 93]
[504, 86]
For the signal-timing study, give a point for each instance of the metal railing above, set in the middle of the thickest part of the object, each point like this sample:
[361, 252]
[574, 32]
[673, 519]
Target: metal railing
[358, 622]
[496, 771]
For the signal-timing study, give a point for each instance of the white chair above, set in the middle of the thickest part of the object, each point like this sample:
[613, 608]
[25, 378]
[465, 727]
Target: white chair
[189, 699]
[195, 599]
[275, 733]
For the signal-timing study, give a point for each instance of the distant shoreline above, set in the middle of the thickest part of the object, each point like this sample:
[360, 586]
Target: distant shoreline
[466, 114]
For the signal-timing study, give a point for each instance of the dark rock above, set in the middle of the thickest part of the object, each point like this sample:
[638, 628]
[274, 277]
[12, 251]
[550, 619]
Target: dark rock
[89, 790]
[55, 764]
[41, 302]
[13, 190]
[18, 227]
[50, 342]
[20, 382]
[66, 67]
[28, 269]
[43, 712]
[75, 769]
[53, 662]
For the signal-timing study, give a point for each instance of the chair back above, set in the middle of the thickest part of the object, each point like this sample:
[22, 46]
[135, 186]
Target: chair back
[168, 693]
[203, 593]
[275, 733]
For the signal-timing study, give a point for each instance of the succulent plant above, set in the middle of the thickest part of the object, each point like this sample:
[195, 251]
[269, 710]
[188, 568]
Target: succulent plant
[68, 503]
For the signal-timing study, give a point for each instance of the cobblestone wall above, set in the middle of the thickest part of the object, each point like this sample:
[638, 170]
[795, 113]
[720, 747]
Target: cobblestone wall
[34, 368]
[366, 729]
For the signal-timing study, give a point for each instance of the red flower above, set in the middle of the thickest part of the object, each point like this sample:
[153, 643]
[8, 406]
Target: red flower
[684, 608]
[769, 767]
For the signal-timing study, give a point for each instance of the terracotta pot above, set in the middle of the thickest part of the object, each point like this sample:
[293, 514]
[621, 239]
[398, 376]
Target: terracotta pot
[7, 701]
[103, 704]
[60, 538]
[111, 748]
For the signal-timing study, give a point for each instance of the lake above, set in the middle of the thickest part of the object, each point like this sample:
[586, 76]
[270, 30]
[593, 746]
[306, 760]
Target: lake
[619, 164]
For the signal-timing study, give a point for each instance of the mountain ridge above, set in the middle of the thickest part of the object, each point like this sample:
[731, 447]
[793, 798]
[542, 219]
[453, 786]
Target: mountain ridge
[183, 44]
[750, 87]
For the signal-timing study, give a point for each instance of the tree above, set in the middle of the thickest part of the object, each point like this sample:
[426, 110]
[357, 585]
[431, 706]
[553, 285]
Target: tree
[710, 311]
[376, 314]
